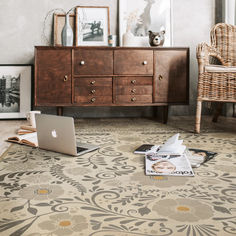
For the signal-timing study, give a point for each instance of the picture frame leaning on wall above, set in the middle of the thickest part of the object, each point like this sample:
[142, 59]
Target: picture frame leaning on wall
[92, 25]
[15, 90]
[137, 19]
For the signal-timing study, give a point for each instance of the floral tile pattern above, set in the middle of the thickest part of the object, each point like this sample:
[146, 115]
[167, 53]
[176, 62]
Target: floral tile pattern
[105, 193]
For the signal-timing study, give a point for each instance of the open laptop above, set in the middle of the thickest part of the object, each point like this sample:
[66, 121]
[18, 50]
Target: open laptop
[57, 133]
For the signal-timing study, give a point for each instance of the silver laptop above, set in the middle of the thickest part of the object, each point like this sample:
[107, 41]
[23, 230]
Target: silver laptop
[57, 133]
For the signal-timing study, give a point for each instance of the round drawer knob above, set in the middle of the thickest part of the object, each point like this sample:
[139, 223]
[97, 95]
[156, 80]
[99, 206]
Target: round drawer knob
[65, 78]
[82, 63]
[133, 99]
[92, 82]
[133, 91]
[133, 81]
[93, 99]
[160, 77]
[93, 91]
[145, 63]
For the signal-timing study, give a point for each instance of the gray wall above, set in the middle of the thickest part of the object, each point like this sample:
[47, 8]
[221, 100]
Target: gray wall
[21, 27]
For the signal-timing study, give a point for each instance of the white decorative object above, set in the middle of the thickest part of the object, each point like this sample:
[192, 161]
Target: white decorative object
[145, 15]
[67, 33]
[128, 39]
[31, 117]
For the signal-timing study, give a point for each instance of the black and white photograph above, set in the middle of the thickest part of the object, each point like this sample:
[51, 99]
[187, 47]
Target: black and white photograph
[15, 90]
[92, 26]
[136, 20]
[10, 93]
[93, 31]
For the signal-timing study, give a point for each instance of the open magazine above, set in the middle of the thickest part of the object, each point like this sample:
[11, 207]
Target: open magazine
[172, 146]
[26, 139]
[176, 165]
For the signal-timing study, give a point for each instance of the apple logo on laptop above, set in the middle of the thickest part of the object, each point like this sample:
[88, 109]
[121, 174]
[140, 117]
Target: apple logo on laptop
[54, 133]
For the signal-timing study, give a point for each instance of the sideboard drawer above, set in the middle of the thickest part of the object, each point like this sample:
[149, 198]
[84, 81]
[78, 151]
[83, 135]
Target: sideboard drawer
[133, 62]
[92, 82]
[93, 91]
[93, 62]
[96, 100]
[134, 90]
[127, 81]
[134, 99]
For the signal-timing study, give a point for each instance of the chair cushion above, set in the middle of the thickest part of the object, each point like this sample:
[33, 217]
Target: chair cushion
[220, 69]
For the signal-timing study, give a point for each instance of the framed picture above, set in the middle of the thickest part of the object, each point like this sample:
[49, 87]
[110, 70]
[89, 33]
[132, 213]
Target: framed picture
[145, 15]
[92, 26]
[59, 22]
[15, 90]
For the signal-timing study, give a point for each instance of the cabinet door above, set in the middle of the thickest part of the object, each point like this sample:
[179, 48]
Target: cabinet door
[171, 79]
[53, 77]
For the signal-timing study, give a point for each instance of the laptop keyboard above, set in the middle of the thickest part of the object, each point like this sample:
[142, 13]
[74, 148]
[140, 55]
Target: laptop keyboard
[80, 149]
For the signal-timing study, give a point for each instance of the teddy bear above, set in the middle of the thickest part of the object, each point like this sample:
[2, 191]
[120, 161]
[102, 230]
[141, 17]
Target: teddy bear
[156, 38]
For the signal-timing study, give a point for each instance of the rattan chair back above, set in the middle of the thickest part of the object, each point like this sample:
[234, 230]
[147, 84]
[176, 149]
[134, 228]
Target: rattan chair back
[223, 38]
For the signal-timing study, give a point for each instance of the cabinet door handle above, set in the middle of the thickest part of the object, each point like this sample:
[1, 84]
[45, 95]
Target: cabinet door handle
[82, 63]
[93, 99]
[133, 81]
[93, 91]
[65, 78]
[145, 63]
[92, 82]
[133, 90]
[133, 99]
[160, 77]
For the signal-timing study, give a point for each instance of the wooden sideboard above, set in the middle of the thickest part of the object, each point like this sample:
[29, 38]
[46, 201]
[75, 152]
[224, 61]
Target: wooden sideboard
[111, 76]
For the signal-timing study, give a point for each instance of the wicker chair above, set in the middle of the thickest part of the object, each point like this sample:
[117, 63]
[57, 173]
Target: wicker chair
[217, 69]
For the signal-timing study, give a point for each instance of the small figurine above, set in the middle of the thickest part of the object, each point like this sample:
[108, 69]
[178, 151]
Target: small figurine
[156, 38]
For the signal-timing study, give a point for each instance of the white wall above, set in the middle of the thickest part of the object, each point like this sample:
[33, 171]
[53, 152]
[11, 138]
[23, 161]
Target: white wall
[21, 26]
[230, 12]
[192, 21]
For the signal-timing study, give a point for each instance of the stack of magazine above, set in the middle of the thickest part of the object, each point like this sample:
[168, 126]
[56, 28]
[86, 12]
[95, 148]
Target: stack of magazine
[172, 158]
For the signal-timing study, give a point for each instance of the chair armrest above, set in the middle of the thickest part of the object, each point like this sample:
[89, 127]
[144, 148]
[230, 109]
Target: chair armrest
[204, 52]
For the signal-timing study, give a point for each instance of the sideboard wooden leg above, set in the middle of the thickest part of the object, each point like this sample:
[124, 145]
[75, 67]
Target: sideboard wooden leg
[165, 114]
[60, 111]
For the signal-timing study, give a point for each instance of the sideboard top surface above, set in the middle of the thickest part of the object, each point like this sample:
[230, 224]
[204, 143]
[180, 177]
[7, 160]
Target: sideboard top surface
[110, 48]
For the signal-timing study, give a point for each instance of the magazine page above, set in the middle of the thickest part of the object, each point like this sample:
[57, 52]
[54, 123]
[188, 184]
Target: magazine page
[27, 139]
[175, 165]
[146, 148]
[173, 146]
[206, 155]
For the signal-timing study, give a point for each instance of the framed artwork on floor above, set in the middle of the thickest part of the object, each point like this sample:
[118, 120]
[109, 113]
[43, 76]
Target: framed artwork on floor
[92, 26]
[15, 90]
[137, 19]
